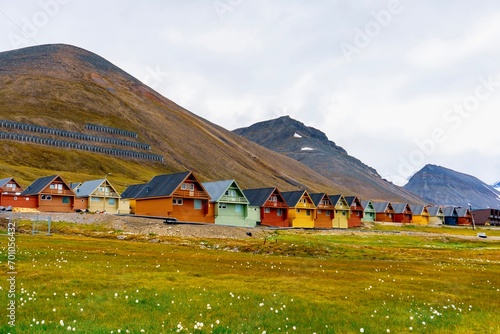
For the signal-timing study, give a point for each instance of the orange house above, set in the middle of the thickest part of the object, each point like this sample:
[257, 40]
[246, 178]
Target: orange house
[357, 211]
[402, 213]
[384, 212]
[49, 194]
[10, 194]
[180, 196]
[325, 212]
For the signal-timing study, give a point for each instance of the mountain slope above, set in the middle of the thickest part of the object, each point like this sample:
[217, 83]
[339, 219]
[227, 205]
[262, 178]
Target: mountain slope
[63, 87]
[444, 186]
[311, 147]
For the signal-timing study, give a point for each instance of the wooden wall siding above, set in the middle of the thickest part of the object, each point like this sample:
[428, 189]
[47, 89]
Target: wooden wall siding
[81, 203]
[324, 218]
[272, 217]
[368, 216]
[404, 218]
[422, 219]
[341, 219]
[355, 217]
[164, 207]
[231, 214]
[436, 220]
[385, 217]
[301, 217]
[100, 204]
[124, 206]
[17, 201]
[56, 204]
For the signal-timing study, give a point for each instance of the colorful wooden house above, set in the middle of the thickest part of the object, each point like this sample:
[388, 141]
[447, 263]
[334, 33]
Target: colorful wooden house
[301, 209]
[229, 204]
[384, 212]
[436, 215]
[127, 198]
[487, 217]
[342, 211]
[325, 212]
[356, 211]
[10, 194]
[420, 214]
[180, 196]
[97, 196]
[270, 206]
[402, 213]
[464, 217]
[49, 194]
[369, 212]
[450, 215]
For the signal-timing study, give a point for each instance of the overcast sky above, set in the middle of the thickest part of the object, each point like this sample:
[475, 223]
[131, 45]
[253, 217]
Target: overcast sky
[398, 84]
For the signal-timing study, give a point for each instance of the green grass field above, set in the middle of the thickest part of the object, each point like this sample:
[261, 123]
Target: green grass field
[295, 282]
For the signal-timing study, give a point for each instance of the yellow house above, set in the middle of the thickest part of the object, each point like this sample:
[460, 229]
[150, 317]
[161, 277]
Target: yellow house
[301, 208]
[342, 211]
[420, 214]
[97, 196]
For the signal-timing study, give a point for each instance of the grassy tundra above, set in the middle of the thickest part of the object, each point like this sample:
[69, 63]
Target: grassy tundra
[295, 282]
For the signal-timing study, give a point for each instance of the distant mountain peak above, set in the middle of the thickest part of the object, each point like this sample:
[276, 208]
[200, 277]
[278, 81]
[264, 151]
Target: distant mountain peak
[441, 185]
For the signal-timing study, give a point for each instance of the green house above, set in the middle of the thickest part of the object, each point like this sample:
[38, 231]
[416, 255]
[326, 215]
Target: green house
[229, 204]
[369, 211]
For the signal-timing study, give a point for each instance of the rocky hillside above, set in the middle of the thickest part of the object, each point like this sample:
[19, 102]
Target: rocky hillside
[444, 186]
[312, 148]
[54, 91]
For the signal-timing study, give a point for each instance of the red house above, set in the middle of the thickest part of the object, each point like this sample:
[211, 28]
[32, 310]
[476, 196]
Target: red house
[384, 212]
[272, 206]
[402, 213]
[356, 211]
[49, 194]
[10, 194]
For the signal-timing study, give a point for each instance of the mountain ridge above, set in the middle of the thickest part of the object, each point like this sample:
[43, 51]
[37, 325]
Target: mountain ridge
[313, 148]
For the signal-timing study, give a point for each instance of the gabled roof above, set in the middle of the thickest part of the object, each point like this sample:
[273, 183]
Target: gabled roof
[318, 197]
[217, 189]
[163, 185]
[463, 212]
[365, 204]
[336, 198]
[132, 191]
[450, 211]
[434, 210]
[87, 188]
[40, 184]
[351, 199]
[418, 209]
[382, 206]
[74, 185]
[401, 207]
[3, 182]
[258, 197]
[292, 197]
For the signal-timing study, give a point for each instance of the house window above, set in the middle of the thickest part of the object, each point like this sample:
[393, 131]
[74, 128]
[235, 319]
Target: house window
[231, 193]
[111, 201]
[308, 212]
[279, 212]
[343, 213]
[298, 210]
[267, 210]
[357, 213]
[274, 199]
[95, 199]
[10, 185]
[197, 204]
[238, 208]
[328, 213]
[46, 197]
[15, 198]
[320, 212]
[222, 205]
[65, 200]
[177, 201]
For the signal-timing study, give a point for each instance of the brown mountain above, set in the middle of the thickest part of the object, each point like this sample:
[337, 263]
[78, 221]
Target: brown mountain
[312, 147]
[49, 93]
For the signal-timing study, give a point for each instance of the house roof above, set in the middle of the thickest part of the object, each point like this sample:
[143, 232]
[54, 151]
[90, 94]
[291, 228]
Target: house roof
[292, 197]
[350, 199]
[400, 207]
[462, 212]
[380, 206]
[40, 184]
[434, 210]
[217, 189]
[132, 191]
[258, 197]
[449, 211]
[417, 209]
[162, 185]
[3, 182]
[365, 204]
[87, 188]
[318, 197]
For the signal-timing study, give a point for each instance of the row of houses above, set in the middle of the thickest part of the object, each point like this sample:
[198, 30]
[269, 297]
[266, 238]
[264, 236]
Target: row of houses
[183, 197]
